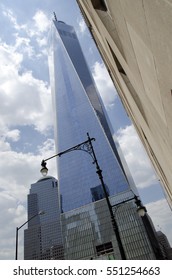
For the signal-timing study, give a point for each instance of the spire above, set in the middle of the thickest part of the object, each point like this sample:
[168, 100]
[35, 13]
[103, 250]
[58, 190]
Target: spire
[55, 17]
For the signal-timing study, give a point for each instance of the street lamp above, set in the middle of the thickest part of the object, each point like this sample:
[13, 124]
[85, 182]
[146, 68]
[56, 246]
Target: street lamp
[87, 146]
[17, 229]
[141, 210]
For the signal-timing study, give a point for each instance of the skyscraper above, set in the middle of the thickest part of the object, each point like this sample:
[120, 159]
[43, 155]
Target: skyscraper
[42, 239]
[86, 225]
[79, 110]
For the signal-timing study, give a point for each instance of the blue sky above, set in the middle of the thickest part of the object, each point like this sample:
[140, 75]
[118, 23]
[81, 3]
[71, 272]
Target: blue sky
[26, 119]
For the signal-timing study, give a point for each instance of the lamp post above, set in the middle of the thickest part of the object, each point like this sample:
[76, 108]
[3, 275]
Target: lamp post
[87, 146]
[17, 229]
[141, 210]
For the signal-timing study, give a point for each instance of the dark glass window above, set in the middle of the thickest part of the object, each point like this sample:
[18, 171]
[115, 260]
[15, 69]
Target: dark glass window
[104, 248]
[99, 5]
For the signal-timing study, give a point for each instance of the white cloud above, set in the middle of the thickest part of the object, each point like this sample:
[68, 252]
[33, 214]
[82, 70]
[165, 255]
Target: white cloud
[13, 135]
[19, 170]
[24, 99]
[10, 59]
[7, 134]
[24, 46]
[4, 146]
[82, 25]
[42, 41]
[47, 147]
[10, 15]
[104, 84]
[136, 158]
[37, 28]
[42, 23]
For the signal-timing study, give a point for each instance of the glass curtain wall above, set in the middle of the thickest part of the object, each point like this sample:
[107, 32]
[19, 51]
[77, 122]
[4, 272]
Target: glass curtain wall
[86, 225]
[75, 116]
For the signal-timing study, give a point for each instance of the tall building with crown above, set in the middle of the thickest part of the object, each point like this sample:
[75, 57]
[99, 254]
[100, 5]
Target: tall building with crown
[42, 239]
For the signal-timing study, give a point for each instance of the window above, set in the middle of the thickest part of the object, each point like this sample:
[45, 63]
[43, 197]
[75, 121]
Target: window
[104, 248]
[99, 5]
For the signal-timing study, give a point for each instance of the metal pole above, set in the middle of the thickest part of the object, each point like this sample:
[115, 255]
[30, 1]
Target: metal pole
[114, 223]
[17, 229]
[17, 243]
[83, 147]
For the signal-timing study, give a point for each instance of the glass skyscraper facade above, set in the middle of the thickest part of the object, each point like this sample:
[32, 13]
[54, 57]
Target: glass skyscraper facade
[88, 232]
[86, 225]
[79, 110]
[42, 239]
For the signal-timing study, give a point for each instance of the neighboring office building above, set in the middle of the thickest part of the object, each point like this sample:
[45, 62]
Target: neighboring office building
[165, 245]
[42, 239]
[134, 39]
[86, 225]
[88, 232]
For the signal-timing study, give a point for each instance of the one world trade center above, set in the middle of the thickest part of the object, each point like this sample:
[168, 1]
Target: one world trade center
[86, 225]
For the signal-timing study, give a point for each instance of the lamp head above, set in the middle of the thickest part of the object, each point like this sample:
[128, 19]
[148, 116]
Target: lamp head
[41, 212]
[141, 210]
[44, 169]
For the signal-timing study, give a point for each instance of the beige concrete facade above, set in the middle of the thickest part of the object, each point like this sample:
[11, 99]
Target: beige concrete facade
[134, 38]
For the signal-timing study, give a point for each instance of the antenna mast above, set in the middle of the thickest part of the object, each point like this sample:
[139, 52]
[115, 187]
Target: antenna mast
[55, 17]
